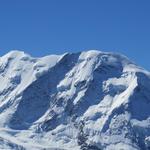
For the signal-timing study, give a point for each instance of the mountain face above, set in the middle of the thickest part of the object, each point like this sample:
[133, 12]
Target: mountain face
[90, 101]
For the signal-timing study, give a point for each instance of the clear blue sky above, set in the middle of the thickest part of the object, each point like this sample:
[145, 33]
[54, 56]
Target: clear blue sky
[41, 27]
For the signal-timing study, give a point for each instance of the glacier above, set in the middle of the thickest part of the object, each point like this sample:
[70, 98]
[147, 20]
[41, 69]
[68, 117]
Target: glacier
[90, 100]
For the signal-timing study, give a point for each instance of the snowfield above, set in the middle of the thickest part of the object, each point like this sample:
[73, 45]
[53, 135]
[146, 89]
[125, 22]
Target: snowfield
[90, 100]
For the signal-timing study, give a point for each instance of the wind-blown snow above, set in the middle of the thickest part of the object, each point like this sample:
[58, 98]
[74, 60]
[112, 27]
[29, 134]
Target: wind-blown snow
[90, 100]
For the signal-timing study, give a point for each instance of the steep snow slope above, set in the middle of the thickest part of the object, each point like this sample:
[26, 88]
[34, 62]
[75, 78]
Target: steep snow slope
[90, 100]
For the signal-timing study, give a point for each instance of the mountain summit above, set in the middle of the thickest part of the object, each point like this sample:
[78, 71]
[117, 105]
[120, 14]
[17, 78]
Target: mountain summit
[90, 101]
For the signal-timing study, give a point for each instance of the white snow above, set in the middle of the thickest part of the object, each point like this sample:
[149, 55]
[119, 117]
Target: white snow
[73, 100]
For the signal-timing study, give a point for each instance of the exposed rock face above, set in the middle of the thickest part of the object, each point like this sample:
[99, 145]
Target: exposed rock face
[90, 100]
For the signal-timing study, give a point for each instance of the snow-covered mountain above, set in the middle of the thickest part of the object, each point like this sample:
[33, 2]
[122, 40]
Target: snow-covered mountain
[90, 101]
